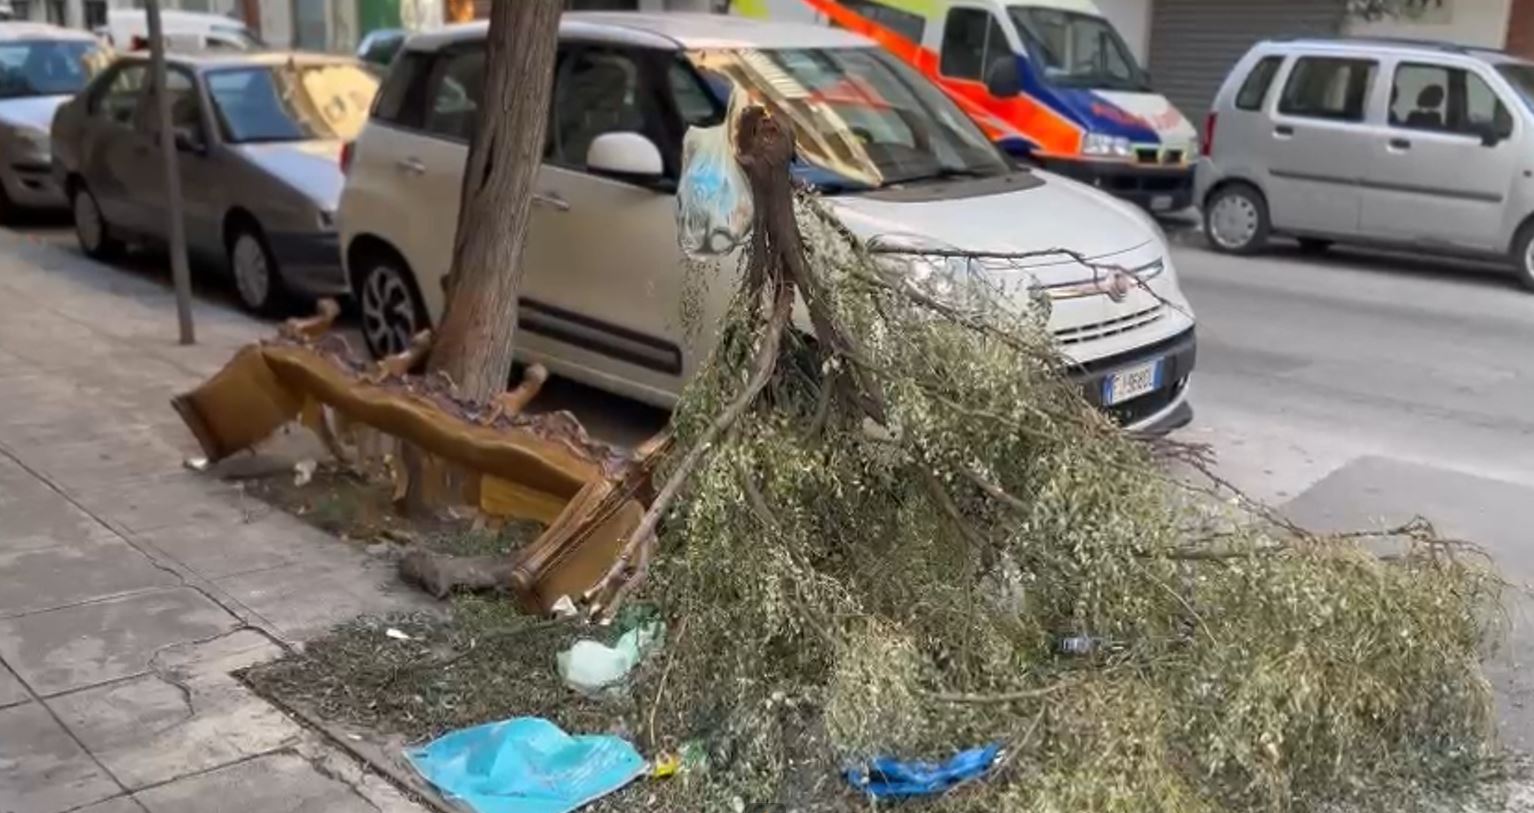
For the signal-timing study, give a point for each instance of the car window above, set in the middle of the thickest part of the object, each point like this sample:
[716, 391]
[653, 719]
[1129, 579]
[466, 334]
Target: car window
[185, 107]
[1255, 89]
[118, 100]
[971, 40]
[455, 94]
[694, 103]
[292, 101]
[402, 97]
[598, 91]
[1446, 99]
[1327, 88]
[902, 22]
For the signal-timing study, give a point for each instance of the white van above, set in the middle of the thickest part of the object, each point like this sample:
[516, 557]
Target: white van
[1049, 80]
[603, 278]
[128, 30]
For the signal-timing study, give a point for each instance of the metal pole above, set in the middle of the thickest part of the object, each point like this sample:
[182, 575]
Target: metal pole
[180, 273]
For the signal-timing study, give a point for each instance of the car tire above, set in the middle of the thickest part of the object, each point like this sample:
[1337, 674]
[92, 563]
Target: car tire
[1314, 245]
[91, 227]
[389, 303]
[1523, 255]
[1236, 220]
[257, 279]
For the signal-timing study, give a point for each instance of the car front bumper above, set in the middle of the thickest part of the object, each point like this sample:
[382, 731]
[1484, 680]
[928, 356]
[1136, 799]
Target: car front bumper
[33, 185]
[1155, 188]
[310, 262]
[1156, 412]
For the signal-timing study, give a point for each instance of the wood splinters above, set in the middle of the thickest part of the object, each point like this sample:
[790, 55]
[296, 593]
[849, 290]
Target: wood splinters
[311, 328]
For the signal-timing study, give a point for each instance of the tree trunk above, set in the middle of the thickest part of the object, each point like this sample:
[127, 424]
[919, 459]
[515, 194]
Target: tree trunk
[474, 344]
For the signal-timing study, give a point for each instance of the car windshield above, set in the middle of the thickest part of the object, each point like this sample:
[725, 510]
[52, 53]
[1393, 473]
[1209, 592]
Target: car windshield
[1521, 76]
[858, 114]
[292, 102]
[1077, 50]
[48, 68]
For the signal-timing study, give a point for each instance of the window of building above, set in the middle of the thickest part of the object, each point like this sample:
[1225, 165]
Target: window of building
[1327, 88]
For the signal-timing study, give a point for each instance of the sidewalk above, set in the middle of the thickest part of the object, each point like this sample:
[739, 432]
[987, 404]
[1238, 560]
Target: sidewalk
[130, 587]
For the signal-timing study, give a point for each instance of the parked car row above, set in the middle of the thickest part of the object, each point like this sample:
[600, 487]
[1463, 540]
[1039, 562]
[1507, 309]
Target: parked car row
[1420, 146]
[264, 139]
[603, 277]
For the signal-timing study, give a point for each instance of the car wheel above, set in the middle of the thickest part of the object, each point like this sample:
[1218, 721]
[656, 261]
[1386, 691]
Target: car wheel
[257, 279]
[1523, 255]
[392, 310]
[91, 227]
[1236, 220]
[1314, 245]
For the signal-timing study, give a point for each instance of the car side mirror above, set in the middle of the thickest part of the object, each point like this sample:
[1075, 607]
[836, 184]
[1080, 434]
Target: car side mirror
[626, 156]
[1001, 78]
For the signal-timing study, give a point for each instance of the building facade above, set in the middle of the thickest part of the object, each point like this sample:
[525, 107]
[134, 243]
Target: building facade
[1189, 45]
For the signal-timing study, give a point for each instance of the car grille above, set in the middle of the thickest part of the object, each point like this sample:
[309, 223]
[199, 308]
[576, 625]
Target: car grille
[1111, 327]
[1156, 155]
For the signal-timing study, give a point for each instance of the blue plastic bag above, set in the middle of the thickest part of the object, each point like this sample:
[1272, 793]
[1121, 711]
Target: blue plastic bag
[526, 765]
[713, 198]
[887, 778]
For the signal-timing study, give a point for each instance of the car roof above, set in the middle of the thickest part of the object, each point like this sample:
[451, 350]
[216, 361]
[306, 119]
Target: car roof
[204, 60]
[12, 31]
[1391, 45]
[673, 31]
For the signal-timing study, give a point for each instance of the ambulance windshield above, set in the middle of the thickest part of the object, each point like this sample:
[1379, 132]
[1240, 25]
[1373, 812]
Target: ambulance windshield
[857, 113]
[1077, 50]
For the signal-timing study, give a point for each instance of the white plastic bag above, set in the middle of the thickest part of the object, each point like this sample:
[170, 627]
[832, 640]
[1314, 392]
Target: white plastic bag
[713, 200]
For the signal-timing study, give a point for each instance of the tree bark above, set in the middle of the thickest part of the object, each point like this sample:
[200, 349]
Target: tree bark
[474, 344]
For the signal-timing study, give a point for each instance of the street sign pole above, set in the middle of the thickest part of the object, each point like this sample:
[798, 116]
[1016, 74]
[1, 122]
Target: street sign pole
[180, 273]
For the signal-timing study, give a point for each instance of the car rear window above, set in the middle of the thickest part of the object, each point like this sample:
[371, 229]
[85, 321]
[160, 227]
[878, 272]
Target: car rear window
[1255, 89]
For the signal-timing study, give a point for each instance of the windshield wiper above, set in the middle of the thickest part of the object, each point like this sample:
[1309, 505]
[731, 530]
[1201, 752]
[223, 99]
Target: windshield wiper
[946, 173]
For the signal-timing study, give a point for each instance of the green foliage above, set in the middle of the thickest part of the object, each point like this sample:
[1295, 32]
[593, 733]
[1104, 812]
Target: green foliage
[839, 590]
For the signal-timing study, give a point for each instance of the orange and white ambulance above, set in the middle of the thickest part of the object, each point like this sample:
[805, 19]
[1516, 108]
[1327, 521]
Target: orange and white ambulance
[1050, 80]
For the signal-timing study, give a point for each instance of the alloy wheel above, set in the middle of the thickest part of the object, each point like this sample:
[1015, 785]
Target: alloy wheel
[388, 311]
[252, 272]
[1233, 221]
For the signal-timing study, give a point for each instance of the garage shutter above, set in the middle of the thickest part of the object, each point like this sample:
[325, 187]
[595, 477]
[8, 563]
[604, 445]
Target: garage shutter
[1194, 43]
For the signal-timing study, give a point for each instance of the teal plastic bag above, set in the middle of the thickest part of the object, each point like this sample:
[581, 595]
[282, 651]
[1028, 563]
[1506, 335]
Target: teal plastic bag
[526, 765]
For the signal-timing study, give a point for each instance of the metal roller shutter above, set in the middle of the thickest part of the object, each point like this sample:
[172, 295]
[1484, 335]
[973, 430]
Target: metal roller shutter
[1194, 43]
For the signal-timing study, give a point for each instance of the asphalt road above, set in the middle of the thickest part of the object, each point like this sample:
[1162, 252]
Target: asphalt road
[1354, 390]
[1359, 390]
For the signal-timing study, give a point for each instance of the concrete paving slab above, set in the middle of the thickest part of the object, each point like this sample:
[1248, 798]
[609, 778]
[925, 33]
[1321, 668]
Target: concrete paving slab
[64, 574]
[177, 497]
[87, 644]
[271, 540]
[121, 804]
[278, 783]
[303, 601]
[42, 770]
[1378, 492]
[11, 689]
[145, 731]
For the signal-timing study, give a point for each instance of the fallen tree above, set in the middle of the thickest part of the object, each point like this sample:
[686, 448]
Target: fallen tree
[903, 531]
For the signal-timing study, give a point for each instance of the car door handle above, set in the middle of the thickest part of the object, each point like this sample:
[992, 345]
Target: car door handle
[1399, 145]
[1283, 130]
[414, 166]
[551, 200]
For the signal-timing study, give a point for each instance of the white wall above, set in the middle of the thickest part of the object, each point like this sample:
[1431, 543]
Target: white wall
[1464, 22]
[1132, 18]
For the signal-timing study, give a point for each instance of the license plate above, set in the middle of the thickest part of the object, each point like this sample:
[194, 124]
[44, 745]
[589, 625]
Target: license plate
[1161, 203]
[1133, 382]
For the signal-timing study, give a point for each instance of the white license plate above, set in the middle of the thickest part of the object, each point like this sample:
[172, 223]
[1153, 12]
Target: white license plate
[1133, 382]
[1161, 203]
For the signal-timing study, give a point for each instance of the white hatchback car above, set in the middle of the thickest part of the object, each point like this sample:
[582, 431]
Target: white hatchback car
[604, 279]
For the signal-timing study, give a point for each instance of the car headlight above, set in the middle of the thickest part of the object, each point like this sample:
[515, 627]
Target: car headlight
[1104, 145]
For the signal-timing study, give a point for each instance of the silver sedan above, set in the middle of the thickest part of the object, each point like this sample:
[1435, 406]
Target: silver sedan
[259, 140]
[41, 67]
